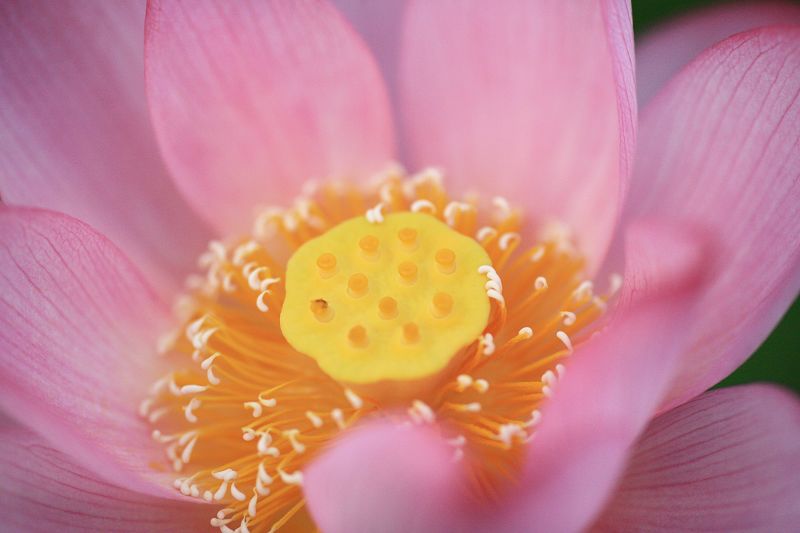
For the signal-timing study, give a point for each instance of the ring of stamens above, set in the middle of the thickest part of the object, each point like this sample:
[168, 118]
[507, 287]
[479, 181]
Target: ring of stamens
[243, 412]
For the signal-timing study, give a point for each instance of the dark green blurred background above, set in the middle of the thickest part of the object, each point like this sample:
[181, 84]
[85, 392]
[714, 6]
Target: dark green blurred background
[778, 358]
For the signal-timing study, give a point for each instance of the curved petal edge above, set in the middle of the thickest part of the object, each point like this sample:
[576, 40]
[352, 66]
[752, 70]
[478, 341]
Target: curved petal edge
[78, 344]
[252, 99]
[727, 460]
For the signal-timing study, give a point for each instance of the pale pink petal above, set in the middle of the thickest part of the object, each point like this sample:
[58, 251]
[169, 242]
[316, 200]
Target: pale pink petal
[251, 99]
[77, 138]
[384, 478]
[78, 332]
[665, 50]
[44, 490]
[719, 148]
[611, 388]
[379, 24]
[727, 461]
[528, 99]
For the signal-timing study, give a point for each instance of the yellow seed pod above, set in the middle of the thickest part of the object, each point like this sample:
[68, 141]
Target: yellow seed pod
[393, 300]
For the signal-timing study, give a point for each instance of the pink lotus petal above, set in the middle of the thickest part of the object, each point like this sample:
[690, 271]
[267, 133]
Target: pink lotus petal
[76, 134]
[663, 52]
[379, 24]
[44, 490]
[727, 461]
[612, 385]
[6, 421]
[719, 149]
[532, 100]
[251, 99]
[660, 255]
[78, 343]
[384, 478]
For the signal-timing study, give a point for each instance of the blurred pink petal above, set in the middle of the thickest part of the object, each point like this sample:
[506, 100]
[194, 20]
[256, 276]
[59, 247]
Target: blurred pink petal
[77, 343]
[379, 24]
[532, 100]
[665, 50]
[374, 477]
[576, 456]
[719, 148]
[44, 490]
[77, 138]
[590, 423]
[727, 461]
[286, 93]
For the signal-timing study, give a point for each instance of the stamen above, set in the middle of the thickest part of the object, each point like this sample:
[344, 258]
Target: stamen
[193, 389]
[564, 338]
[287, 330]
[423, 206]
[485, 233]
[338, 417]
[291, 435]
[353, 399]
[374, 215]
[291, 478]
[420, 413]
[569, 317]
[316, 421]
[487, 342]
[509, 432]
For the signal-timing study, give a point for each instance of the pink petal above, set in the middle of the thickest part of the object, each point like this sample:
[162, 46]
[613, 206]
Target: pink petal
[379, 24]
[251, 99]
[77, 343]
[727, 461]
[531, 100]
[77, 137]
[6, 421]
[611, 388]
[384, 478]
[718, 148]
[44, 490]
[660, 255]
[663, 52]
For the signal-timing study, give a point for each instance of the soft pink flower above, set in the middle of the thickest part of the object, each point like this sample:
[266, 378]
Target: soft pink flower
[532, 100]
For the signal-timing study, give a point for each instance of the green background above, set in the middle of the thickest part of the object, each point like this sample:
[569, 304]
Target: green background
[778, 358]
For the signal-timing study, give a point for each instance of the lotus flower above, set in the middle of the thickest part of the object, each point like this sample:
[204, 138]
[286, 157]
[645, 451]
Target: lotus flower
[378, 356]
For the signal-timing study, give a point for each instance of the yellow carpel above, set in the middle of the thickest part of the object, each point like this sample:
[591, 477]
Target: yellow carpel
[421, 276]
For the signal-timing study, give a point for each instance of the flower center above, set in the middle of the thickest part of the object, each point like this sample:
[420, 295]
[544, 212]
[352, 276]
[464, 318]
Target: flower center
[389, 300]
[393, 300]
